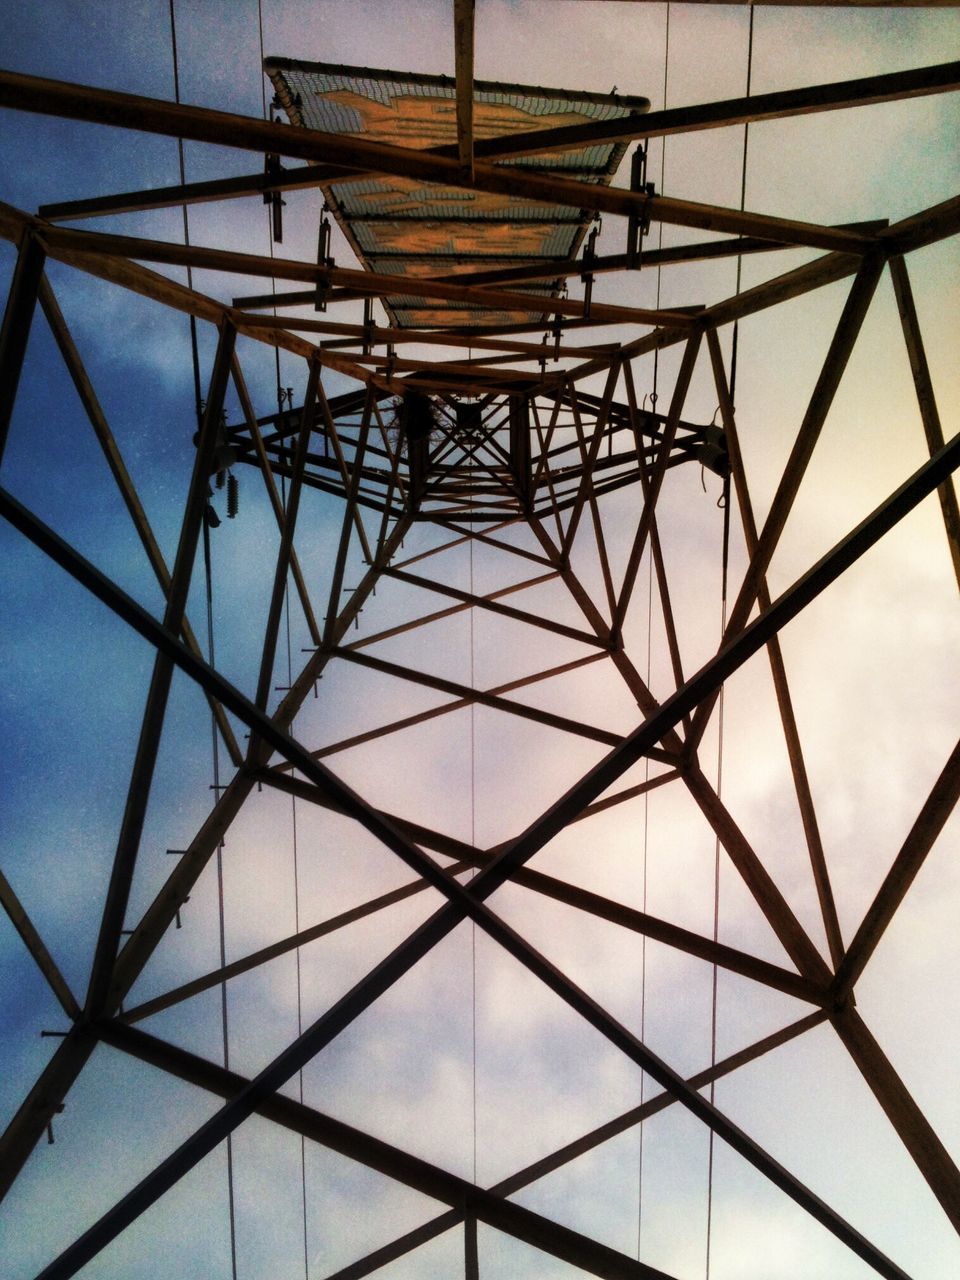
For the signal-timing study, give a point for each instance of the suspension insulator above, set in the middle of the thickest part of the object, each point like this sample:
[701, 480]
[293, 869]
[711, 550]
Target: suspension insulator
[233, 496]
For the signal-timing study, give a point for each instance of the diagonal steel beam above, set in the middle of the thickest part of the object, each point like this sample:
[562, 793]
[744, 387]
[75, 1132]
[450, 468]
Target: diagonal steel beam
[131, 499]
[808, 816]
[654, 484]
[491, 605]
[285, 551]
[15, 330]
[198, 124]
[543, 1233]
[926, 400]
[246, 405]
[840, 350]
[491, 700]
[141, 777]
[808, 587]
[921, 838]
[35, 945]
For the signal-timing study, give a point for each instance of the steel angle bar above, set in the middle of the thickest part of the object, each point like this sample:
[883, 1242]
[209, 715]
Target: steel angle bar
[488, 603]
[253, 426]
[808, 816]
[596, 523]
[656, 550]
[152, 115]
[587, 1142]
[15, 330]
[35, 945]
[926, 401]
[128, 492]
[467, 694]
[907, 1120]
[586, 481]
[888, 87]
[462, 903]
[921, 838]
[655, 481]
[841, 347]
[782, 104]
[543, 1233]
[257, 958]
[285, 550]
[468, 698]
[365, 641]
[141, 777]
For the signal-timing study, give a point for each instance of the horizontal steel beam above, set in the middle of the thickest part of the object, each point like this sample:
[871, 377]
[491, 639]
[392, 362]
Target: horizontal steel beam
[198, 124]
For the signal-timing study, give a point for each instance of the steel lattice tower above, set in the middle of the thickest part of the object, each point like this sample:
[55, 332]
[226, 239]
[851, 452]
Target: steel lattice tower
[472, 682]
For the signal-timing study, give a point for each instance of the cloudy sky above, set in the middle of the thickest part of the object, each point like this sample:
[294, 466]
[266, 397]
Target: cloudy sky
[467, 1061]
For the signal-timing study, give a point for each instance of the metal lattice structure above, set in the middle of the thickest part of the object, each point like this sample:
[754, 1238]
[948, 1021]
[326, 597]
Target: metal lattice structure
[531, 487]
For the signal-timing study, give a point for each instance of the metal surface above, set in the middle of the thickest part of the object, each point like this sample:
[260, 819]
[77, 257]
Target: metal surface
[436, 476]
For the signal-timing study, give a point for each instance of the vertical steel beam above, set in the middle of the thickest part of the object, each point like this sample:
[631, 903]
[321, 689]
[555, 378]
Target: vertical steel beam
[15, 331]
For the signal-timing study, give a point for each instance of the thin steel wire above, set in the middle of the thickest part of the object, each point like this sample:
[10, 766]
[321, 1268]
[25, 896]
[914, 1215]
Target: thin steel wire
[723, 626]
[473, 841]
[208, 574]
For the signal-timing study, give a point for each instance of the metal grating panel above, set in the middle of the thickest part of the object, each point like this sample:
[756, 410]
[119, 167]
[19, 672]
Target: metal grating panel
[413, 222]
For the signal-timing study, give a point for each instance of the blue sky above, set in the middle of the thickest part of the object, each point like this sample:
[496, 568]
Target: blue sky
[872, 666]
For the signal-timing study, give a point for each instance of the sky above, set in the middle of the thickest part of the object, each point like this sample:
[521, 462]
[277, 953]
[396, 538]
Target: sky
[468, 1062]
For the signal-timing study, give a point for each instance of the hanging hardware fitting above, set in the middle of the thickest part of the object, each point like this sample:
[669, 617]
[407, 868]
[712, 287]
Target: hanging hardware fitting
[638, 223]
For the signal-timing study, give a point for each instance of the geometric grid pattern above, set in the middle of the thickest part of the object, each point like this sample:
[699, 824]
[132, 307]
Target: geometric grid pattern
[395, 226]
[524, 471]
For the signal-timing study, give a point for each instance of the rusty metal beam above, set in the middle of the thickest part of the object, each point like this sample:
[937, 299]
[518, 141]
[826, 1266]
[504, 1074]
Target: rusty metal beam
[463, 23]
